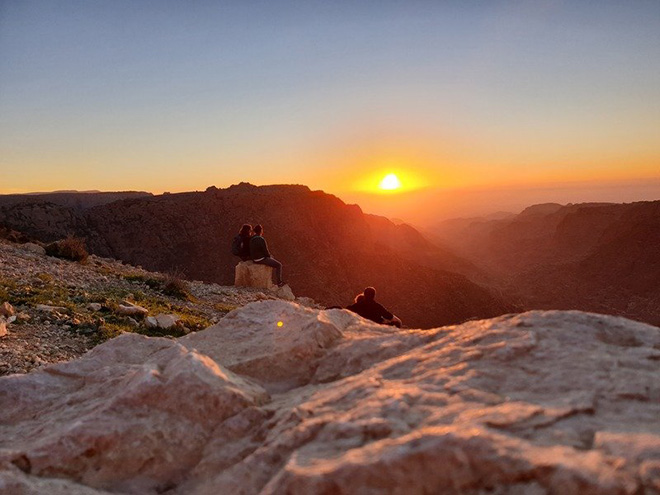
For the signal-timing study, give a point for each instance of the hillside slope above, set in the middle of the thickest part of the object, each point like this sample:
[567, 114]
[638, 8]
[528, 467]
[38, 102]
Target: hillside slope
[593, 257]
[330, 250]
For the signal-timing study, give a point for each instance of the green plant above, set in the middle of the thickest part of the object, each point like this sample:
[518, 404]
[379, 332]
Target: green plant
[224, 307]
[45, 277]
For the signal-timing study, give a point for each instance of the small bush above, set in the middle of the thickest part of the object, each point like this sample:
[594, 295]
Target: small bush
[45, 277]
[175, 286]
[71, 248]
[224, 307]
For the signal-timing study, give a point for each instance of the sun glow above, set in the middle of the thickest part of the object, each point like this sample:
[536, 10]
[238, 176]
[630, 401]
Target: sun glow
[390, 183]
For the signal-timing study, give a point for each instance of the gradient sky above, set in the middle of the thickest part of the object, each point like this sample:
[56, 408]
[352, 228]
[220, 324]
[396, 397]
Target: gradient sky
[452, 95]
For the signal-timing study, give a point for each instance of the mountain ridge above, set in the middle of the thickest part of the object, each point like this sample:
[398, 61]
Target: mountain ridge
[330, 250]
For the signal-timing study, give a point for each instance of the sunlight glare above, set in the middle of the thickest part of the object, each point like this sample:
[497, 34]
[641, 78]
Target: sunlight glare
[390, 182]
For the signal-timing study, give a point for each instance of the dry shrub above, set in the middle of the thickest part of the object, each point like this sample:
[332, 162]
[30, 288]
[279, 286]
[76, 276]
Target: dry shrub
[71, 248]
[174, 285]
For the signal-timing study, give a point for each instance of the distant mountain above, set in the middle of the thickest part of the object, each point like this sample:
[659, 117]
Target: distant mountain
[330, 250]
[594, 256]
[78, 200]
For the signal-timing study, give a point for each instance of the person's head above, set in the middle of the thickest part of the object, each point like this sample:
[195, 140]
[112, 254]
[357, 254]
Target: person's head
[369, 293]
[245, 229]
[359, 299]
[258, 229]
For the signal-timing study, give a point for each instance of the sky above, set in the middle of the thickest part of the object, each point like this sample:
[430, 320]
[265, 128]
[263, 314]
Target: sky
[476, 105]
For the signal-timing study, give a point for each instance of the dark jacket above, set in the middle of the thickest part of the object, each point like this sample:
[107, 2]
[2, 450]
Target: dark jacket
[258, 248]
[244, 252]
[371, 310]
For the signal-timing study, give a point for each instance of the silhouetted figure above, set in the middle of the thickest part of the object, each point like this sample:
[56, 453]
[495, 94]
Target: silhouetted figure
[241, 244]
[366, 306]
[260, 254]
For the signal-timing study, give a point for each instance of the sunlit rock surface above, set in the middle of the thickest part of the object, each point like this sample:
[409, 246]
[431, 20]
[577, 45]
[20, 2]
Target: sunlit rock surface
[251, 274]
[277, 398]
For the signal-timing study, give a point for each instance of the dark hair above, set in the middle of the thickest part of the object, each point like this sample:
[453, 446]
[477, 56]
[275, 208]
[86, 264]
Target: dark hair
[369, 293]
[359, 299]
[245, 229]
[257, 229]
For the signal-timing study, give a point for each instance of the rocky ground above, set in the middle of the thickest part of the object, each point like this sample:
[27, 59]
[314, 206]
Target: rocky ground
[57, 309]
[277, 398]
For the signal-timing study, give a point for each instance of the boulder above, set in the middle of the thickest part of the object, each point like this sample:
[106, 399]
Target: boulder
[129, 309]
[135, 414]
[94, 306]
[284, 292]
[33, 248]
[6, 309]
[277, 398]
[166, 321]
[151, 322]
[250, 274]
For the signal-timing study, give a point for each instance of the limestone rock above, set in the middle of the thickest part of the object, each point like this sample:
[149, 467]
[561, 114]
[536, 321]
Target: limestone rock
[33, 248]
[135, 414]
[250, 274]
[6, 309]
[94, 306]
[166, 321]
[284, 292]
[129, 309]
[46, 308]
[276, 342]
[151, 322]
[23, 317]
[539, 403]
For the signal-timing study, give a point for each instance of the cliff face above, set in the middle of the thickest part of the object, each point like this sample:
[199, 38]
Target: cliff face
[594, 257]
[330, 250]
[280, 399]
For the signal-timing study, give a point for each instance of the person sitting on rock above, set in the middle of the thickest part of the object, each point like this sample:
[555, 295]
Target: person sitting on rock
[260, 254]
[241, 243]
[366, 306]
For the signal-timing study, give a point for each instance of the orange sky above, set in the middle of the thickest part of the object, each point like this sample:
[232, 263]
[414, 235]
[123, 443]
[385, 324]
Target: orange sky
[451, 96]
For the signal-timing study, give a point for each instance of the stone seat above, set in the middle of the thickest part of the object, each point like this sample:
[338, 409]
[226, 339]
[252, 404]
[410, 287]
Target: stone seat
[251, 274]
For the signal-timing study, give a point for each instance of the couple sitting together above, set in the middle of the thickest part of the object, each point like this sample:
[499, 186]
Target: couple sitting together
[250, 244]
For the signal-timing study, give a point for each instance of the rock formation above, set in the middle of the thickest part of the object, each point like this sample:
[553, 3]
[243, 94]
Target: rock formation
[277, 398]
[250, 274]
[593, 257]
[330, 251]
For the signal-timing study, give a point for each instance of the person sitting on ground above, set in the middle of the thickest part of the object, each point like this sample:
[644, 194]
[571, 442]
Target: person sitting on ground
[241, 244]
[366, 306]
[260, 254]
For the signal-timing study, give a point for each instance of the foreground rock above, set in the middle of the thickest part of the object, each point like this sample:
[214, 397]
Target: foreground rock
[277, 398]
[251, 274]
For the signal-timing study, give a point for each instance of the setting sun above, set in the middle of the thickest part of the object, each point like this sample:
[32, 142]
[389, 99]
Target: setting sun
[390, 182]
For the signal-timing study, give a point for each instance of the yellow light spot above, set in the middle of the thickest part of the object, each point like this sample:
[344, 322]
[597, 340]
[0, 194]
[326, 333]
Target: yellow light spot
[390, 182]
[280, 323]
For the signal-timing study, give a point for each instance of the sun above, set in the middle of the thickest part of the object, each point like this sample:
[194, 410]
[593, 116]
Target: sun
[390, 182]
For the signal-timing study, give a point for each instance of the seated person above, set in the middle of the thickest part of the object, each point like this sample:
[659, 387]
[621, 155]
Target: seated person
[366, 306]
[241, 244]
[260, 254]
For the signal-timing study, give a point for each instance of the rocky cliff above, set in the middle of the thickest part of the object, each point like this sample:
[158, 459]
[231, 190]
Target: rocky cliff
[281, 399]
[594, 257]
[330, 250]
